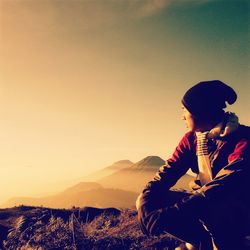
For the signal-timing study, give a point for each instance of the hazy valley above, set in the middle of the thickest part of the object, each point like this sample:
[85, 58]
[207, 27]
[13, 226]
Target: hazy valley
[117, 185]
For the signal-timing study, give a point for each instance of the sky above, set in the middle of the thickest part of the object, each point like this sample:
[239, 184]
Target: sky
[89, 82]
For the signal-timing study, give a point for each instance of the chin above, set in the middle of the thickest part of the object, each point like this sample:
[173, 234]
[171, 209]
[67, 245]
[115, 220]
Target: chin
[191, 129]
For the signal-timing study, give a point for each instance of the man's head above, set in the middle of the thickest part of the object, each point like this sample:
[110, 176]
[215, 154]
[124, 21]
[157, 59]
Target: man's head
[204, 103]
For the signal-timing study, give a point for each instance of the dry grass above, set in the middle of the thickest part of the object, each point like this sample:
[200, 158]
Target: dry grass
[42, 231]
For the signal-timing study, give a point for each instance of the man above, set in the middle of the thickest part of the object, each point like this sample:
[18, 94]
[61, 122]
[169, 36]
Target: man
[213, 215]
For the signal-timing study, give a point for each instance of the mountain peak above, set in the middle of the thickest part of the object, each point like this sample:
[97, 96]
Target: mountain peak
[149, 162]
[119, 165]
[127, 162]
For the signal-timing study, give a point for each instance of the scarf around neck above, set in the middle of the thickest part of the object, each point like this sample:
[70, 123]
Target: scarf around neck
[229, 124]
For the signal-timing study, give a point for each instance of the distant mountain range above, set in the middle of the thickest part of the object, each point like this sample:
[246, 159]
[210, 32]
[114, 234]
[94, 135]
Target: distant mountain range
[136, 176]
[117, 185]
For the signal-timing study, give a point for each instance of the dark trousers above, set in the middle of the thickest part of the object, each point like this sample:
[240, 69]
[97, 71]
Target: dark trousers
[223, 221]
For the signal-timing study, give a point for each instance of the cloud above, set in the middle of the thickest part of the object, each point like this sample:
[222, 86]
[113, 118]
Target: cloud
[99, 13]
[144, 8]
[96, 13]
[80, 15]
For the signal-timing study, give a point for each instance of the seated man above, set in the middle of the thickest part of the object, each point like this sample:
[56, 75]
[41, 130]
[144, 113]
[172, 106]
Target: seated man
[213, 215]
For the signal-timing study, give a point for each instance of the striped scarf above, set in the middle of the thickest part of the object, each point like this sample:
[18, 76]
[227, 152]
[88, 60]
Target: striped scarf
[220, 130]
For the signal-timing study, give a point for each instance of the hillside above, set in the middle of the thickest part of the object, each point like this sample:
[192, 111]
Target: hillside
[38, 228]
[43, 228]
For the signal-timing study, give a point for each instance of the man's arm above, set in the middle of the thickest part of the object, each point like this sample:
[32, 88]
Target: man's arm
[176, 166]
[168, 174]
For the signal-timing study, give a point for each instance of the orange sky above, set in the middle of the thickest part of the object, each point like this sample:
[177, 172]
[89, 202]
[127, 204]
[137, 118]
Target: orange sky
[84, 84]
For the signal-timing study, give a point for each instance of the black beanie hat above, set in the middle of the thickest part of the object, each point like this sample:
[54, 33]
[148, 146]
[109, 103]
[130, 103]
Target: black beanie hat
[207, 99]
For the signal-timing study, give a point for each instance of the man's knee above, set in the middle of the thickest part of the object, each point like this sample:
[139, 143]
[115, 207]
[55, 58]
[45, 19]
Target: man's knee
[156, 200]
[155, 213]
[151, 223]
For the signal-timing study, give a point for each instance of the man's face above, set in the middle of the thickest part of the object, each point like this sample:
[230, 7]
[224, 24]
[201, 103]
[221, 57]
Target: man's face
[188, 119]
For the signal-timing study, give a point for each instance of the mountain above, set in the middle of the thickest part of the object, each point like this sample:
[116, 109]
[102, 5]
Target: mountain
[135, 177]
[149, 163]
[119, 165]
[80, 195]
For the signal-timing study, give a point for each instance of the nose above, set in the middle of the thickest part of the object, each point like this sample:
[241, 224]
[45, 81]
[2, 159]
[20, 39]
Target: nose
[183, 117]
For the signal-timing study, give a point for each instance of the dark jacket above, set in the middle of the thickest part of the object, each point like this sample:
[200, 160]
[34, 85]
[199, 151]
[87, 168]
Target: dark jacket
[230, 163]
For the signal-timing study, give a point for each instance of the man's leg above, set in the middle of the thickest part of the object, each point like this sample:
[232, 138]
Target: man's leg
[155, 218]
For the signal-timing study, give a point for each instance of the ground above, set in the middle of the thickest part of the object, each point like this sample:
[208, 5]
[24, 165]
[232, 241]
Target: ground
[43, 228]
[39, 228]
